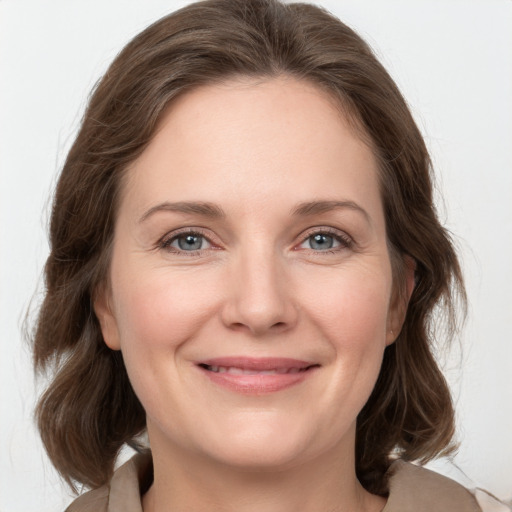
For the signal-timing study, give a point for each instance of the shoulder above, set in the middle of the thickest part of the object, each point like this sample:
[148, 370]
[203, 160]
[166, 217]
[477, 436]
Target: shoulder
[415, 488]
[123, 493]
[92, 501]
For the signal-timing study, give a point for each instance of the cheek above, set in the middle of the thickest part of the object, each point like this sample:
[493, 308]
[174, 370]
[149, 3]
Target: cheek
[157, 308]
[158, 312]
[351, 313]
[352, 306]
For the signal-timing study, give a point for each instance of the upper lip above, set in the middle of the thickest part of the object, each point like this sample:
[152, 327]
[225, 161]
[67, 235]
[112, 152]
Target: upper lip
[257, 363]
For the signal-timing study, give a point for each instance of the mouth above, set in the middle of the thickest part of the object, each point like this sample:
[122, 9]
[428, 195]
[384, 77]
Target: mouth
[256, 375]
[233, 370]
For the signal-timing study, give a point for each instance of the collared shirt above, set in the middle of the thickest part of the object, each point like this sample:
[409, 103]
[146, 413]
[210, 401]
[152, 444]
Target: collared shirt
[411, 489]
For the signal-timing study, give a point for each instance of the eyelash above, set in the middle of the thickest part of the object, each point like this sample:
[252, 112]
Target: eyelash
[345, 241]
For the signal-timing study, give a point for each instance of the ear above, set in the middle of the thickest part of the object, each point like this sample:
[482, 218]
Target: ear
[108, 323]
[400, 301]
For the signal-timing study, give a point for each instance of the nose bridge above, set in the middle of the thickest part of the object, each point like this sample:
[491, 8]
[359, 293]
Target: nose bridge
[260, 296]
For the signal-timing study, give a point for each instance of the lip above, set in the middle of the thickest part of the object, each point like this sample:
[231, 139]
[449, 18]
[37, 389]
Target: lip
[256, 375]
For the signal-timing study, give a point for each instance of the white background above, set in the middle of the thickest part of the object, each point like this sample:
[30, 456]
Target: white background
[453, 61]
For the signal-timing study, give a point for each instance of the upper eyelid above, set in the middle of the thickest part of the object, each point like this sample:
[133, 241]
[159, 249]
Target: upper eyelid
[323, 229]
[327, 230]
[185, 231]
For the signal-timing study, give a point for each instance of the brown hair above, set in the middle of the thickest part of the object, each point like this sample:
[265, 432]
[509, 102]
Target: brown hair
[89, 410]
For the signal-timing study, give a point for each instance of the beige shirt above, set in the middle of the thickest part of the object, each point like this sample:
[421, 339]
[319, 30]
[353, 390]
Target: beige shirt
[411, 489]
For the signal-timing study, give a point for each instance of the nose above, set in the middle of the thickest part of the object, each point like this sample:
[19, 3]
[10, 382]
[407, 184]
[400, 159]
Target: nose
[260, 296]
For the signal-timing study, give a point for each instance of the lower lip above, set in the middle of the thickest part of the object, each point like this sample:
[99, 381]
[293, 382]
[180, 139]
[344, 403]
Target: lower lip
[257, 384]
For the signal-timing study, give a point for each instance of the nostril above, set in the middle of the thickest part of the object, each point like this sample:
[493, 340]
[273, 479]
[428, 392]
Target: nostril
[238, 326]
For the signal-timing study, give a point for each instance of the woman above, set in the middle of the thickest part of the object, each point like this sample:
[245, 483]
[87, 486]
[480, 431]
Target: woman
[244, 261]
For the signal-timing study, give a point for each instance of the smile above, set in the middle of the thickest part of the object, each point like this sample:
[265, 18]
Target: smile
[256, 375]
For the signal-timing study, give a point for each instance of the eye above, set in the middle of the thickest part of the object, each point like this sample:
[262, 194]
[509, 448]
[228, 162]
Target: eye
[321, 242]
[326, 241]
[189, 241]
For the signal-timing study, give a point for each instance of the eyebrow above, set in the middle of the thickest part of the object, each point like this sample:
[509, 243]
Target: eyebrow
[213, 211]
[202, 208]
[316, 207]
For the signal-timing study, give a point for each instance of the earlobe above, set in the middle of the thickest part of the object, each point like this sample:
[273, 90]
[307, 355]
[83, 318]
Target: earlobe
[400, 301]
[106, 319]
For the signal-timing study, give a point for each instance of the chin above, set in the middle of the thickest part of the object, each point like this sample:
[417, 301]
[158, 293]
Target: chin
[262, 446]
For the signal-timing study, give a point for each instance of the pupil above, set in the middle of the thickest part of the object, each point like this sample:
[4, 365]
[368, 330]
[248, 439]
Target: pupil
[190, 242]
[321, 242]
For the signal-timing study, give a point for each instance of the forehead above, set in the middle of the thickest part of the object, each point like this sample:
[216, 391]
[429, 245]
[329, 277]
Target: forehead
[256, 140]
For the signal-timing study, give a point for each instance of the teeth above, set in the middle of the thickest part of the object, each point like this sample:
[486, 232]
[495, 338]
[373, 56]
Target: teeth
[240, 371]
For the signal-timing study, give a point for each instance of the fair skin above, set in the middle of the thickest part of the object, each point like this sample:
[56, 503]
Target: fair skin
[288, 259]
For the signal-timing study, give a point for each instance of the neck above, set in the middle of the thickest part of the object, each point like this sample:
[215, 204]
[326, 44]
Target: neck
[185, 482]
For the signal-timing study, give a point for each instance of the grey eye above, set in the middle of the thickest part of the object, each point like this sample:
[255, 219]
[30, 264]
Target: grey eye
[189, 242]
[322, 242]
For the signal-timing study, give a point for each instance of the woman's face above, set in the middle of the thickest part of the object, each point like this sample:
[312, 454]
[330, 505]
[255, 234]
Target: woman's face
[250, 288]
